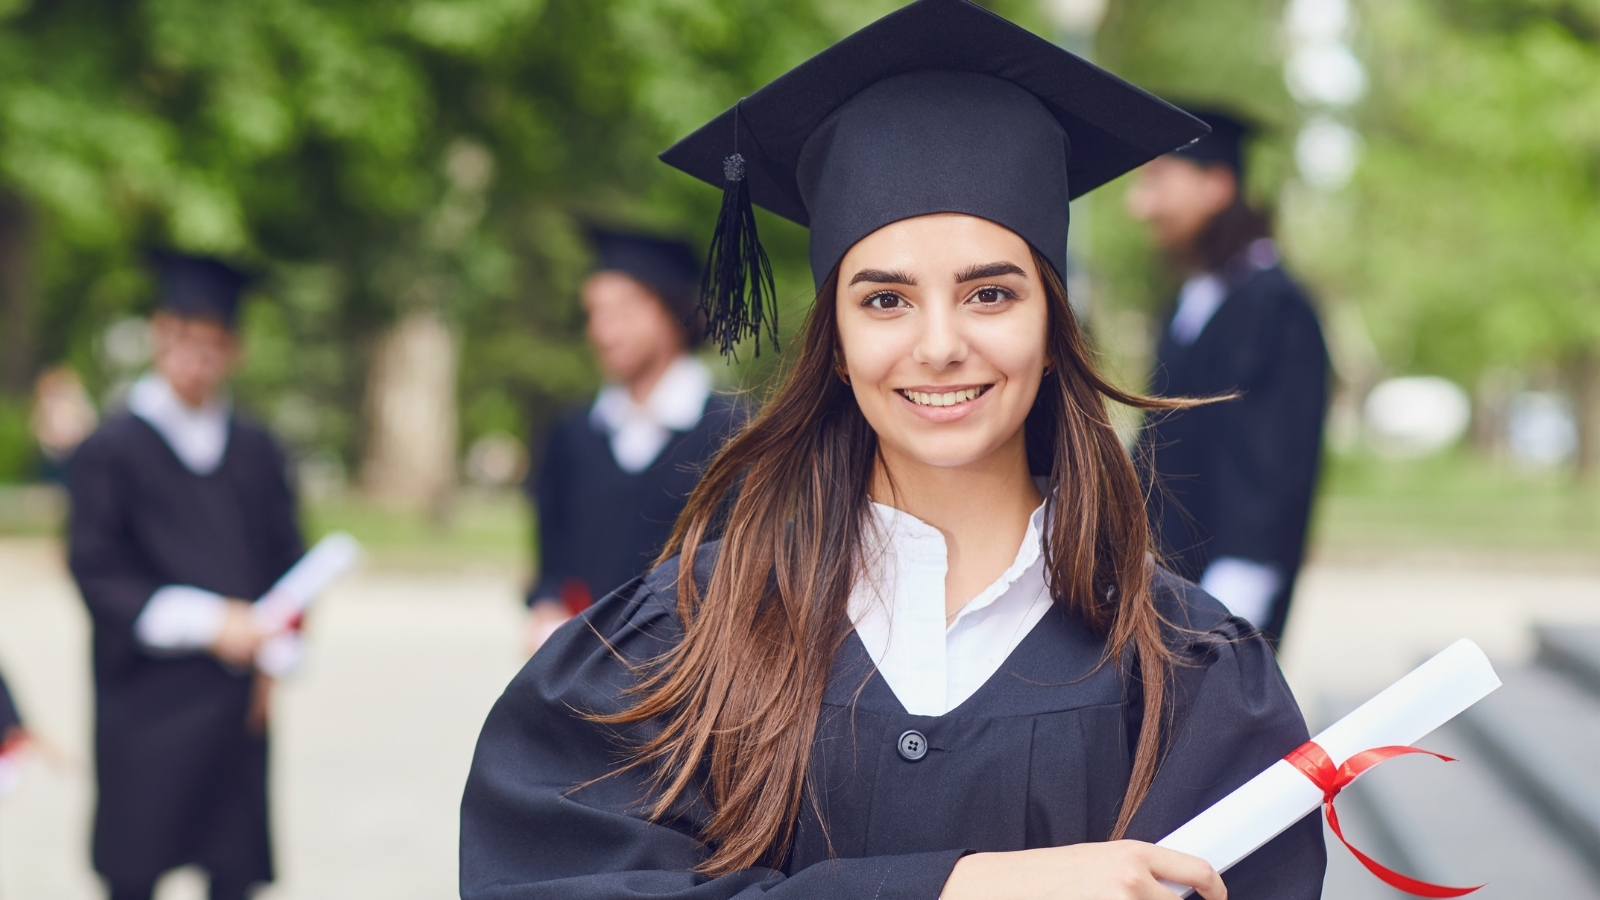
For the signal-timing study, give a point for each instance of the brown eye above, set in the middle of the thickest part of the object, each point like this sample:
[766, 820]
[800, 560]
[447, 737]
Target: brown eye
[990, 296]
[883, 300]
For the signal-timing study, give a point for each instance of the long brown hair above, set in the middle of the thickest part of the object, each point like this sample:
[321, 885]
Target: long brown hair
[738, 699]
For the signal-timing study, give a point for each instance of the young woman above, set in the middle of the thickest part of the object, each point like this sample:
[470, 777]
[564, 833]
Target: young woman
[931, 655]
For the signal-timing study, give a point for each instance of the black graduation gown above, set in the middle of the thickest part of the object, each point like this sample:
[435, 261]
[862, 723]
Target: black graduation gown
[1039, 756]
[181, 778]
[1236, 478]
[602, 526]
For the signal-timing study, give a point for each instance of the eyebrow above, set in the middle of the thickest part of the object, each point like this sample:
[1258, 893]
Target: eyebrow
[988, 270]
[881, 276]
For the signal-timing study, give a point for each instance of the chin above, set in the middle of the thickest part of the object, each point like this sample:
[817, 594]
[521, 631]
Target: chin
[945, 453]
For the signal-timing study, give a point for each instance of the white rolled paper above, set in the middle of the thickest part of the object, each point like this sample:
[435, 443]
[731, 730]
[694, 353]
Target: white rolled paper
[1404, 713]
[280, 654]
[333, 556]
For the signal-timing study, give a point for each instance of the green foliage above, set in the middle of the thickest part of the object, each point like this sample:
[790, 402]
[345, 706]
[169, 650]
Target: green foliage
[368, 157]
[372, 157]
[19, 455]
[1477, 209]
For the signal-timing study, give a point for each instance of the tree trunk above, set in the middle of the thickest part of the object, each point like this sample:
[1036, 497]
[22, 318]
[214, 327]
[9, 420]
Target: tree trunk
[411, 414]
[18, 340]
[1585, 375]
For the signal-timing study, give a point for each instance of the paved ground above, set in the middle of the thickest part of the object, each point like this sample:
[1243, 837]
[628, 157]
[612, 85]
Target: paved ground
[373, 740]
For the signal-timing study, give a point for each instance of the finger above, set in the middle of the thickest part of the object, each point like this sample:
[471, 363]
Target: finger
[1181, 868]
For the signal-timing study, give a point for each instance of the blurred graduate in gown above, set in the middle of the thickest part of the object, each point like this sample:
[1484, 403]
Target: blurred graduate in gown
[182, 515]
[616, 472]
[1233, 480]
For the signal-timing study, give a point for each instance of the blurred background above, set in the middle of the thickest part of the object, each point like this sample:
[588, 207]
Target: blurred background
[409, 177]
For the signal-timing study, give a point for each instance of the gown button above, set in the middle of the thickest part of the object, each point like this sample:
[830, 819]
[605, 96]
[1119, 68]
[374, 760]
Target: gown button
[913, 746]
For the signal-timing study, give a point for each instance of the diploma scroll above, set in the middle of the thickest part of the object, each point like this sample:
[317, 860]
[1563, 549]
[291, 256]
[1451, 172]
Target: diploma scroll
[279, 610]
[287, 600]
[1404, 713]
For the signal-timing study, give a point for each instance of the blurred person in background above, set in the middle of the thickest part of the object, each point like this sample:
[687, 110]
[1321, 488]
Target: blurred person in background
[12, 738]
[63, 415]
[617, 472]
[1231, 482]
[182, 515]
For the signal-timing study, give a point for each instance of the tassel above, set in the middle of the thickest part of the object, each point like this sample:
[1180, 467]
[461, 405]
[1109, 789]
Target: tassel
[737, 294]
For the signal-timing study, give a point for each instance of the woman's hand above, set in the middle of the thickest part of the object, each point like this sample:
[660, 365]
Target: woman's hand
[1119, 870]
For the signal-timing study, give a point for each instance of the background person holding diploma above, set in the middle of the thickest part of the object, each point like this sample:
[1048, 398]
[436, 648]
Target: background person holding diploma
[1233, 480]
[929, 655]
[182, 515]
[616, 472]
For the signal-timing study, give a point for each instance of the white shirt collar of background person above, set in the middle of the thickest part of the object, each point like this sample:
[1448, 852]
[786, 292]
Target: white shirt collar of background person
[640, 431]
[1201, 296]
[897, 607]
[1198, 301]
[199, 437]
[1244, 586]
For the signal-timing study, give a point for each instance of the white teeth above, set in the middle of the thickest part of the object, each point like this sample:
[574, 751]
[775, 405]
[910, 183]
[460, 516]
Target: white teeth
[946, 399]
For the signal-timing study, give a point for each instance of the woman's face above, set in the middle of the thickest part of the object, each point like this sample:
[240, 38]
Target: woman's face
[942, 320]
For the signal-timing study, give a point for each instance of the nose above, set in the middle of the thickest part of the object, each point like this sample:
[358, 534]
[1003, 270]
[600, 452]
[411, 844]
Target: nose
[940, 344]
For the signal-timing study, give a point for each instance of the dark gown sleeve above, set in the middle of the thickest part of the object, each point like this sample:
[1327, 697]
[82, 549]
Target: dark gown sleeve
[284, 542]
[550, 489]
[1233, 716]
[113, 575]
[1264, 480]
[533, 826]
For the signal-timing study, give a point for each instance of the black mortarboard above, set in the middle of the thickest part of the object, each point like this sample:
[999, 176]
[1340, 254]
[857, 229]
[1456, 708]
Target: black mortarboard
[941, 106]
[198, 286]
[670, 268]
[1225, 144]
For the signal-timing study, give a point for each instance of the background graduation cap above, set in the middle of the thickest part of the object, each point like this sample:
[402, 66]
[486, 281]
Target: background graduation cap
[1225, 144]
[670, 268]
[941, 106]
[198, 286]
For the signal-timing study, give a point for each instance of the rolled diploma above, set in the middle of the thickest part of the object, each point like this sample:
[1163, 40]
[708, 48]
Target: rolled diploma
[330, 558]
[1405, 712]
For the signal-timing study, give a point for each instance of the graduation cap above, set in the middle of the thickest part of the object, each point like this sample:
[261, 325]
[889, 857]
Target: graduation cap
[939, 107]
[1225, 144]
[196, 287]
[670, 268]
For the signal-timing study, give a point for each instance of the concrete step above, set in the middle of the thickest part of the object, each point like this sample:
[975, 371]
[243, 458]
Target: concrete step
[1462, 824]
[1574, 651]
[1541, 733]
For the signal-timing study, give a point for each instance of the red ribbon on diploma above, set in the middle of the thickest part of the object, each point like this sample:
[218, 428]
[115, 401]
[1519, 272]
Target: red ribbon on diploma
[1314, 763]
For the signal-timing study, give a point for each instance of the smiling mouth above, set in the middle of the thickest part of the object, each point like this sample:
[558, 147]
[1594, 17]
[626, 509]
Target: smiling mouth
[946, 398]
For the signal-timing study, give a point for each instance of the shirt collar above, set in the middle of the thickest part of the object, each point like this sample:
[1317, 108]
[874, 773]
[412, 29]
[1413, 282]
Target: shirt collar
[198, 436]
[900, 535]
[676, 403]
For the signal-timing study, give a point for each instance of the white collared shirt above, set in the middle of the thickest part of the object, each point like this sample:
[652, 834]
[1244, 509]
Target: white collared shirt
[897, 607]
[1199, 300]
[640, 431]
[199, 437]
